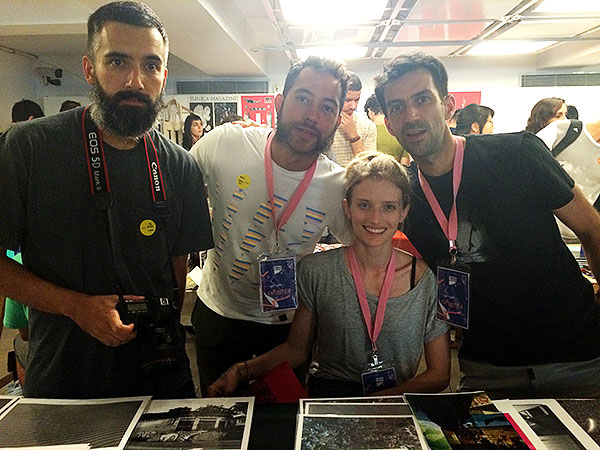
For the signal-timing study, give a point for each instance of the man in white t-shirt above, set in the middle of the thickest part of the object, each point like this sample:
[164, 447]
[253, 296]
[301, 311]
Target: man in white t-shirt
[355, 133]
[229, 320]
[580, 159]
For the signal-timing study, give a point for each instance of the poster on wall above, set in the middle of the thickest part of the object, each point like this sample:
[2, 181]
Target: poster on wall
[205, 111]
[212, 108]
[466, 98]
[260, 108]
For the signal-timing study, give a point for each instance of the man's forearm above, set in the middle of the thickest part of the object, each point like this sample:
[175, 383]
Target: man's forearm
[25, 287]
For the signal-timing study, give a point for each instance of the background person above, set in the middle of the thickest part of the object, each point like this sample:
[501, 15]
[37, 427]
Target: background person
[69, 104]
[376, 202]
[24, 110]
[355, 133]
[193, 129]
[546, 111]
[386, 143]
[475, 119]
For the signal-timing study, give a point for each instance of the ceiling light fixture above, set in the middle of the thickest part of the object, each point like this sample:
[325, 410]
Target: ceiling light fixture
[568, 7]
[337, 52]
[332, 12]
[508, 47]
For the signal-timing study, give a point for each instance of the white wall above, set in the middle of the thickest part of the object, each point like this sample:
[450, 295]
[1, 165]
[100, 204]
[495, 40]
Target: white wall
[17, 82]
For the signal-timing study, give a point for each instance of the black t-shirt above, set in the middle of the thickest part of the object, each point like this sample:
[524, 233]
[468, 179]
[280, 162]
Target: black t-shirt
[47, 210]
[529, 302]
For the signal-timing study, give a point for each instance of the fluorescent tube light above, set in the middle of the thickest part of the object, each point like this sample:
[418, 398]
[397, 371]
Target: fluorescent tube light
[338, 52]
[332, 11]
[508, 48]
[570, 6]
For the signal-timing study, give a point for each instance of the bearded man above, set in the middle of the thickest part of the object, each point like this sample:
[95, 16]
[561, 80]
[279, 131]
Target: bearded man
[105, 210]
[273, 192]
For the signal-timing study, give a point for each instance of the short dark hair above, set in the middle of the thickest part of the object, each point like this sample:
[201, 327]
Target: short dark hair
[231, 118]
[542, 112]
[24, 109]
[403, 64]
[130, 13]
[373, 105]
[471, 114]
[319, 64]
[354, 83]
[572, 112]
[69, 104]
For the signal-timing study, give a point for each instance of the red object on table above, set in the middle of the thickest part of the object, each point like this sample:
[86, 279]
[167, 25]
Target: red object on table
[401, 241]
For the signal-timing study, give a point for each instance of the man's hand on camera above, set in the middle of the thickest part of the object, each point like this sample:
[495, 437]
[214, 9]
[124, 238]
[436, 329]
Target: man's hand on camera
[98, 317]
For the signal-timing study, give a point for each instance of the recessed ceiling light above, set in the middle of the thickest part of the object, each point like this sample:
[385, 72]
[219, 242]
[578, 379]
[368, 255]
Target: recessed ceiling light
[570, 6]
[337, 52]
[333, 12]
[509, 48]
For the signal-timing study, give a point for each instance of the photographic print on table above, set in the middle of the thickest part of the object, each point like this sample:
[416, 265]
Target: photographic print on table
[359, 409]
[586, 412]
[206, 423]
[371, 399]
[103, 423]
[318, 432]
[550, 423]
[463, 421]
[6, 401]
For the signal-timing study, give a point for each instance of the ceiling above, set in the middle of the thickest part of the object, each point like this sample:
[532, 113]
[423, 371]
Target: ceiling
[248, 38]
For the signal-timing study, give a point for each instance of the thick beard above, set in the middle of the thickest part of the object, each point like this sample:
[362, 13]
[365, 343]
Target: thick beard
[125, 121]
[283, 135]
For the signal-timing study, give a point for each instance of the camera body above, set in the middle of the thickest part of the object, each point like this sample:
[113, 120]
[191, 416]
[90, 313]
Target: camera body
[159, 335]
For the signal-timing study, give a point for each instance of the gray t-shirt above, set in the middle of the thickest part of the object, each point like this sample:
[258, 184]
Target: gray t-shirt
[327, 288]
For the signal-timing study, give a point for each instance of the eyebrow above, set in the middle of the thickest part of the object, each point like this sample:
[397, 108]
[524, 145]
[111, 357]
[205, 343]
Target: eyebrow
[151, 57]
[309, 92]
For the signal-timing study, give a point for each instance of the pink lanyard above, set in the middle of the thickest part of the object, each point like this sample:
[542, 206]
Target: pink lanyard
[296, 196]
[372, 330]
[449, 227]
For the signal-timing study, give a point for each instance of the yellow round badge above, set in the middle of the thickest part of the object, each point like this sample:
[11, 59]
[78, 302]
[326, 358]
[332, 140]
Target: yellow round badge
[147, 227]
[243, 181]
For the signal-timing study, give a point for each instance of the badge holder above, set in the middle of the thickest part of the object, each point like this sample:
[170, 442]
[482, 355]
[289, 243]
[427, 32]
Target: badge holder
[378, 375]
[277, 282]
[454, 292]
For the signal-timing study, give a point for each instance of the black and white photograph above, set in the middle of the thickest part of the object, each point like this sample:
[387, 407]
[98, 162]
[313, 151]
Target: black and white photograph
[206, 112]
[553, 433]
[549, 426]
[371, 399]
[104, 424]
[224, 109]
[319, 432]
[359, 409]
[586, 412]
[6, 401]
[207, 423]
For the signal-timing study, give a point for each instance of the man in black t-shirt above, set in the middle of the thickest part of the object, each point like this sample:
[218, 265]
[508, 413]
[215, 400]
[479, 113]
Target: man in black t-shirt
[82, 255]
[534, 324]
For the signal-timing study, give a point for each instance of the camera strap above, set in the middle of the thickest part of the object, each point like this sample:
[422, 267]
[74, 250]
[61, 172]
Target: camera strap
[100, 185]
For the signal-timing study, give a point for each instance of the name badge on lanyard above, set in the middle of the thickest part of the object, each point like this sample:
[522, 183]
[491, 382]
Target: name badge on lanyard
[277, 271]
[378, 374]
[454, 280]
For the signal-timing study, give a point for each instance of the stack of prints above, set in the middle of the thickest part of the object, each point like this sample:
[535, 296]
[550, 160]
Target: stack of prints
[464, 421]
[366, 423]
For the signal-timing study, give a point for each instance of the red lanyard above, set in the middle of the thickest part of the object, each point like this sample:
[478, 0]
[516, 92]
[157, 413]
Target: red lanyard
[296, 196]
[373, 329]
[449, 226]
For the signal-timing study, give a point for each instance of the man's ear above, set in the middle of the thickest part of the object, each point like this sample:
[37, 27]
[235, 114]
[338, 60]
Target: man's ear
[88, 70]
[450, 105]
[475, 128]
[278, 102]
[165, 80]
